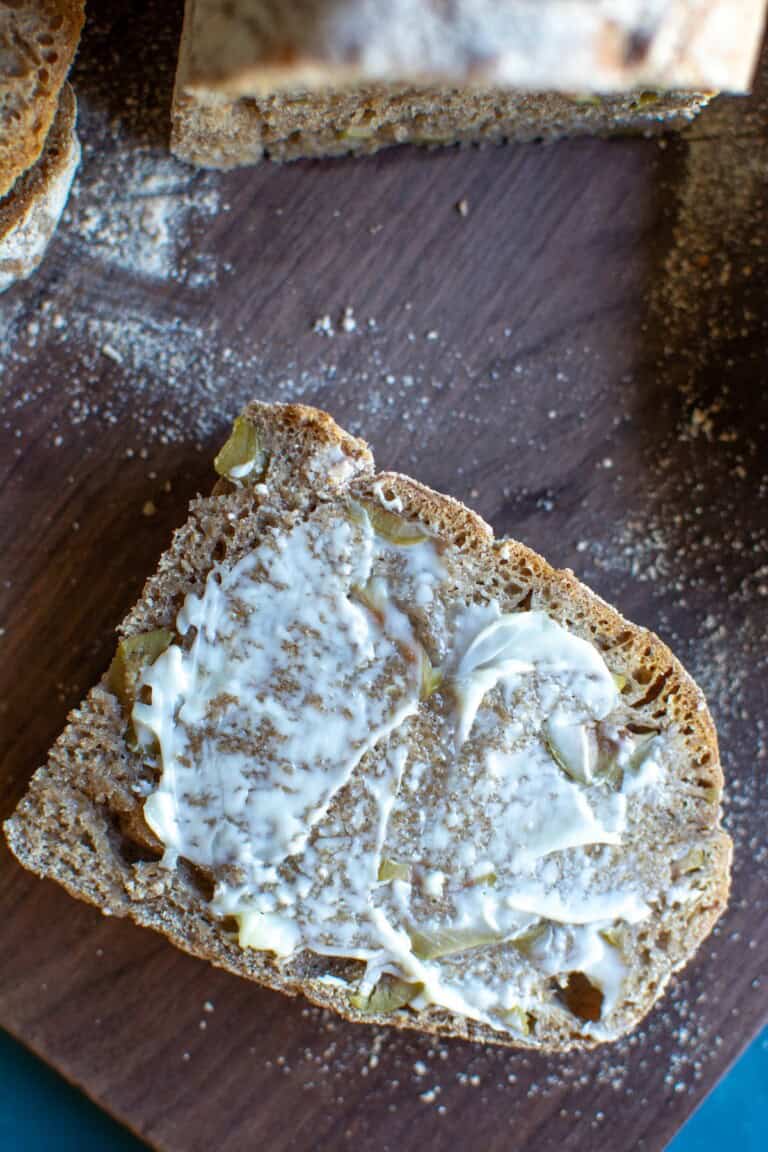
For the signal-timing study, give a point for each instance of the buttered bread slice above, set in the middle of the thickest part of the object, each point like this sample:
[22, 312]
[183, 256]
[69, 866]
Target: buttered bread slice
[351, 745]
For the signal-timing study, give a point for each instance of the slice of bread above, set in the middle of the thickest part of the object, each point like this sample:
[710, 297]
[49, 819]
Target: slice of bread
[283, 79]
[354, 747]
[38, 39]
[31, 211]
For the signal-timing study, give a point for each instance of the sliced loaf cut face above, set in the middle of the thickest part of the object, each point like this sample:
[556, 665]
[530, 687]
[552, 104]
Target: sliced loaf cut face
[38, 40]
[354, 747]
[269, 78]
[30, 213]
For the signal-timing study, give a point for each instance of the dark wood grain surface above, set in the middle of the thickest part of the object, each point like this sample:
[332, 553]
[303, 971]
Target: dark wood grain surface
[581, 357]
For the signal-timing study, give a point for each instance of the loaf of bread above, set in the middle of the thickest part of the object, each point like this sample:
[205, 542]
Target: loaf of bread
[30, 213]
[38, 40]
[354, 747]
[292, 78]
[39, 149]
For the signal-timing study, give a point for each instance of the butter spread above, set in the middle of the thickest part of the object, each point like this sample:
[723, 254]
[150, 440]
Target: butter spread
[340, 813]
[515, 644]
[286, 684]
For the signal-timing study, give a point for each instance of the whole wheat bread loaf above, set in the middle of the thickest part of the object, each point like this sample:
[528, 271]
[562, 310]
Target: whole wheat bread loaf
[38, 39]
[31, 211]
[299, 78]
[470, 804]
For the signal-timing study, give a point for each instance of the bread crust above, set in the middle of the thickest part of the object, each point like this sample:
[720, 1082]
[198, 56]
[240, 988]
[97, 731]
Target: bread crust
[80, 822]
[38, 41]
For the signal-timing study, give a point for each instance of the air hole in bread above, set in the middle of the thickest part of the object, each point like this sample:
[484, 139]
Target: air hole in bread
[524, 605]
[622, 640]
[131, 852]
[198, 879]
[87, 841]
[219, 551]
[654, 691]
[580, 996]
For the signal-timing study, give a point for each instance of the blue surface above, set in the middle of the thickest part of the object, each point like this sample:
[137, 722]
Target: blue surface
[39, 1112]
[735, 1115]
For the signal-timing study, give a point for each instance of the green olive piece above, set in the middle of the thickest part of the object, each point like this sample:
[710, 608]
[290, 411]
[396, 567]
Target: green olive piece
[241, 456]
[388, 995]
[613, 936]
[133, 654]
[577, 768]
[485, 879]
[373, 595]
[393, 870]
[646, 99]
[527, 940]
[393, 528]
[587, 98]
[517, 1019]
[693, 861]
[431, 677]
[433, 945]
[359, 131]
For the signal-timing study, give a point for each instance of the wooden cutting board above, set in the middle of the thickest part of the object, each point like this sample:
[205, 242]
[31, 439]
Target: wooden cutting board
[579, 354]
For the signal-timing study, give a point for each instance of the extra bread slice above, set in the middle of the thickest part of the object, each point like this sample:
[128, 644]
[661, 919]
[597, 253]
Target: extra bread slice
[321, 77]
[292, 473]
[38, 39]
[31, 211]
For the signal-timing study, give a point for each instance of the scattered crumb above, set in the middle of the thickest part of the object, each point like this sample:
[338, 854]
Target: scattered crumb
[323, 326]
[430, 1095]
[348, 322]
